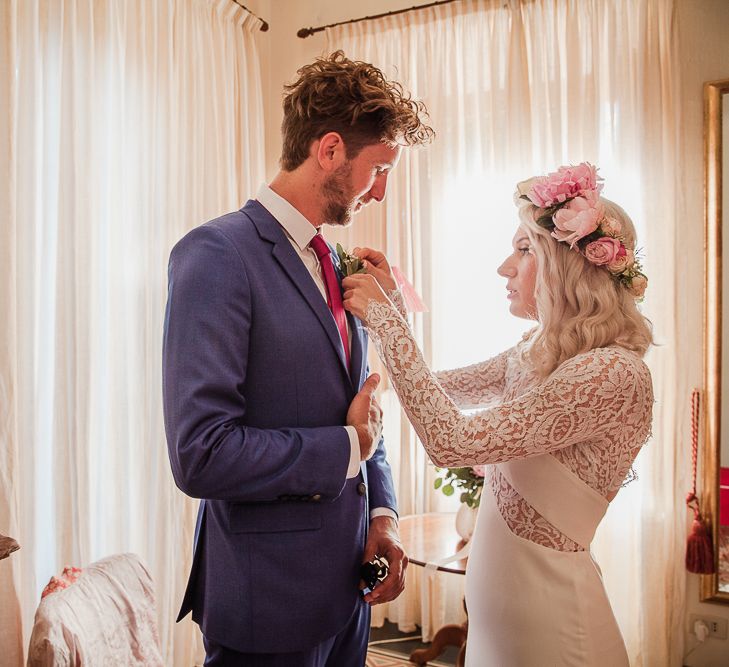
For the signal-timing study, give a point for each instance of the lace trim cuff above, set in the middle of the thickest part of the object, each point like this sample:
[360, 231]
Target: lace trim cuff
[399, 302]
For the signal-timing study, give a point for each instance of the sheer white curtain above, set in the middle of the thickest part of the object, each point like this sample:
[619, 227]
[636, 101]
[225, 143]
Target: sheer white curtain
[516, 88]
[124, 124]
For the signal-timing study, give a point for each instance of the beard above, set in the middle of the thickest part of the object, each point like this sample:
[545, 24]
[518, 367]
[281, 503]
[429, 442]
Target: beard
[338, 202]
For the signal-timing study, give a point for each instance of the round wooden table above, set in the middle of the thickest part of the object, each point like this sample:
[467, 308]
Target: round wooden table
[430, 538]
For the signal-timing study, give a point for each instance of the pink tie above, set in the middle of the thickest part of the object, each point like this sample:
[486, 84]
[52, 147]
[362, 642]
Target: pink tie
[334, 291]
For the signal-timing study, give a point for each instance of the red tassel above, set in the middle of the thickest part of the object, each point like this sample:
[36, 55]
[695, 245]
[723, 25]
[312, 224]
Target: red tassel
[699, 546]
[699, 549]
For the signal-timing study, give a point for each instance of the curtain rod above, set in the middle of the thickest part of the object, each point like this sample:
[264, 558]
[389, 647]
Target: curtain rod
[305, 32]
[264, 24]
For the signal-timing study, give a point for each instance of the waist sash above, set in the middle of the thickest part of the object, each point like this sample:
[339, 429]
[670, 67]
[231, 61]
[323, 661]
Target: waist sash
[560, 496]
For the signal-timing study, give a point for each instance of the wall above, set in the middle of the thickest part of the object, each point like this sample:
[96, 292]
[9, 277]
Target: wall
[704, 55]
[703, 27]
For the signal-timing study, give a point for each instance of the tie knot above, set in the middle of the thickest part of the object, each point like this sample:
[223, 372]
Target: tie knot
[320, 247]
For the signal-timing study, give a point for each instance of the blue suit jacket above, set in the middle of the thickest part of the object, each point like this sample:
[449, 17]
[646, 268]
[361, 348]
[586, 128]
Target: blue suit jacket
[256, 392]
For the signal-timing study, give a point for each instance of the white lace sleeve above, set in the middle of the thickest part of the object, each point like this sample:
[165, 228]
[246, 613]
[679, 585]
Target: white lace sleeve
[476, 385]
[603, 391]
[471, 386]
[398, 301]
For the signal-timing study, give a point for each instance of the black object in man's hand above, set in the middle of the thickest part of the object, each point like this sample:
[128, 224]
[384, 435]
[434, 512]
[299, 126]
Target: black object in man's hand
[372, 573]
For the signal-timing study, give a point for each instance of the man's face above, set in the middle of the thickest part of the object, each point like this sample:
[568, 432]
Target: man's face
[357, 182]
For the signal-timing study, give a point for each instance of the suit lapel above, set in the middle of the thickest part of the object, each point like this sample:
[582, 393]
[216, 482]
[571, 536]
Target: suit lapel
[358, 341]
[359, 350]
[284, 253]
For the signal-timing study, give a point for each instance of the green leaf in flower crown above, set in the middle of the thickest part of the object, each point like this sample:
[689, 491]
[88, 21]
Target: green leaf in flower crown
[438, 482]
[545, 221]
[448, 490]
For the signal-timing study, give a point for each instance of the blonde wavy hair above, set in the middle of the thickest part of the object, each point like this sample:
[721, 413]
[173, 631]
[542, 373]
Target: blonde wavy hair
[580, 306]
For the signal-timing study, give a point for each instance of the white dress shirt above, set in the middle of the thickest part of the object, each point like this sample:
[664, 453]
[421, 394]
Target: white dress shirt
[300, 232]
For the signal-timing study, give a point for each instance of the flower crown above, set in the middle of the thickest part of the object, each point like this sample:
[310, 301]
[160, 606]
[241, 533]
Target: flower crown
[573, 213]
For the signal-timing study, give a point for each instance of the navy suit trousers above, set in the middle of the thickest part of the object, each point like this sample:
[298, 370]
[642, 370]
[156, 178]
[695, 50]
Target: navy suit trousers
[348, 648]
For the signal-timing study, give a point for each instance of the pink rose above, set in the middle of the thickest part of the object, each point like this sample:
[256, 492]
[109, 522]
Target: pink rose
[611, 227]
[624, 260]
[638, 286]
[578, 218]
[565, 183]
[479, 471]
[603, 251]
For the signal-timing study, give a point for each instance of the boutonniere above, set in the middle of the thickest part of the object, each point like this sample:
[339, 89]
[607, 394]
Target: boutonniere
[349, 264]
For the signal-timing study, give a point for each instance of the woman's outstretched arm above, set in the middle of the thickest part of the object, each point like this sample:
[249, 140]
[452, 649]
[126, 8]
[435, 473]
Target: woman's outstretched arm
[601, 391]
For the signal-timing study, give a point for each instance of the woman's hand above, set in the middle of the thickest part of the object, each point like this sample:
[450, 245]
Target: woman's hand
[365, 414]
[359, 290]
[377, 265]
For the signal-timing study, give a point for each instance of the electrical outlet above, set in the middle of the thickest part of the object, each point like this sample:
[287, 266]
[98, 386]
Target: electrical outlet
[717, 626]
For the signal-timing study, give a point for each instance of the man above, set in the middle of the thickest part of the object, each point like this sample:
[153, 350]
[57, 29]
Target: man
[261, 366]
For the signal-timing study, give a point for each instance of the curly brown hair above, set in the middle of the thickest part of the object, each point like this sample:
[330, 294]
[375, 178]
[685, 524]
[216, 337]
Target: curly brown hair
[352, 98]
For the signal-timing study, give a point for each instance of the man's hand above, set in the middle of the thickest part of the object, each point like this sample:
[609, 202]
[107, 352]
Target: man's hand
[384, 540]
[376, 265]
[365, 414]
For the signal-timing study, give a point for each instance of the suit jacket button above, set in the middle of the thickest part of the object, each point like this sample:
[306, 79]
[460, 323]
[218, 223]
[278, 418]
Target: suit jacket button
[361, 488]
[316, 497]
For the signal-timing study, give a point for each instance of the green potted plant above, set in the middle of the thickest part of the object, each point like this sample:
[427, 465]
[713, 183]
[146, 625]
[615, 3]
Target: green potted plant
[469, 482]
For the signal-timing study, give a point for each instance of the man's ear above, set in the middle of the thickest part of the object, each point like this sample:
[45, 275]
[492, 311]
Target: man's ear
[329, 151]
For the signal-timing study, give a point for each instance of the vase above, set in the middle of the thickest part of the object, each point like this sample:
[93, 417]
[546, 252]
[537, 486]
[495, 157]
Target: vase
[466, 521]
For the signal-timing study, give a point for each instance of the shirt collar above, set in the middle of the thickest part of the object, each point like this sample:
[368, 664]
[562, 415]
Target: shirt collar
[290, 218]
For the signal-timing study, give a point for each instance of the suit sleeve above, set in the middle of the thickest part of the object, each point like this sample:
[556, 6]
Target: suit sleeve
[379, 475]
[213, 453]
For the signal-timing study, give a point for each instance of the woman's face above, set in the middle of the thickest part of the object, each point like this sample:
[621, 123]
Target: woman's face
[520, 271]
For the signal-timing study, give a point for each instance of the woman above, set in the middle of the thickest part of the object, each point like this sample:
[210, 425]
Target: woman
[573, 408]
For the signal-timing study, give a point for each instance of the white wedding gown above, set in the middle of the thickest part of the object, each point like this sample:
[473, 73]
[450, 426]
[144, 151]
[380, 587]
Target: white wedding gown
[559, 449]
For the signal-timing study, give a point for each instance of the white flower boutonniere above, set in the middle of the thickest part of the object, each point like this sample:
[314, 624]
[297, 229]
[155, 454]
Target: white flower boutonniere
[349, 264]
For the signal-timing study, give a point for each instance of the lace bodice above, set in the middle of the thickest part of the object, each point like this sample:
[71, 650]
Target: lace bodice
[593, 414]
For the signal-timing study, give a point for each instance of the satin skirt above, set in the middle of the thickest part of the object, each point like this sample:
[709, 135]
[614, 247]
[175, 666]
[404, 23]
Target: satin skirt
[532, 606]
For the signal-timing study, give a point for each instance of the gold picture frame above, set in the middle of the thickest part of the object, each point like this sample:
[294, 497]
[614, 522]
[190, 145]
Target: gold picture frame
[716, 96]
